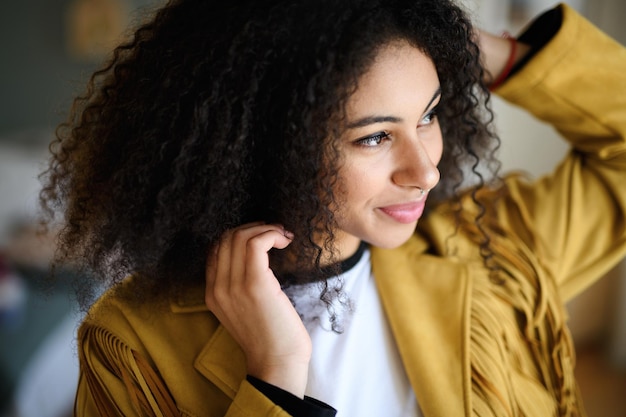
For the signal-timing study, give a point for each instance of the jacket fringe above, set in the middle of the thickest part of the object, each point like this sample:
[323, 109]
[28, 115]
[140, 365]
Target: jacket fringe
[517, 309]
[147, 392]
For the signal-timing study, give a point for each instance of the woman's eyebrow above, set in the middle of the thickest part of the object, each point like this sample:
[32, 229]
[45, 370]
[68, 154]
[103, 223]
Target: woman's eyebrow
[370, 120]
[434, 97]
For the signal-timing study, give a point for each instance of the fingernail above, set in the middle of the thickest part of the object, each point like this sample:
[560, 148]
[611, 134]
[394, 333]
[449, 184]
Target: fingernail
[288, 234]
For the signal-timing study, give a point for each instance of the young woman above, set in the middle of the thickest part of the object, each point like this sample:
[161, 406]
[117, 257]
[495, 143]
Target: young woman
[276, 193]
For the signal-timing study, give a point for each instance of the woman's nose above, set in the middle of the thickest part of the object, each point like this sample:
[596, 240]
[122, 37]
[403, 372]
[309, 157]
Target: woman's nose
[416, 165]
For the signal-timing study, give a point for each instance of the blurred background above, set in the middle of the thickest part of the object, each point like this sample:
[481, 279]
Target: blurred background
[48, 48]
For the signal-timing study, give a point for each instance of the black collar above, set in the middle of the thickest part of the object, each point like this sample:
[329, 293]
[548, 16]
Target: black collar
[348, 263]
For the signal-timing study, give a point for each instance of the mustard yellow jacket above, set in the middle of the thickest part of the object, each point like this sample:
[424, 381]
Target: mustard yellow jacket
[473, 342]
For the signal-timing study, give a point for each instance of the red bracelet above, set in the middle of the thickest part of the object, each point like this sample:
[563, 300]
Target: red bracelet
[509, 63]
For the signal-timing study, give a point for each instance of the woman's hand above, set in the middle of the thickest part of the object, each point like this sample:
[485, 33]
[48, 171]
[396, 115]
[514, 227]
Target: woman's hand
[246, 297]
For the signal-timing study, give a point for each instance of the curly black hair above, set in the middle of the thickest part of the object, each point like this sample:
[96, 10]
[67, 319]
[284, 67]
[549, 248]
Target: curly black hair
[218, 113]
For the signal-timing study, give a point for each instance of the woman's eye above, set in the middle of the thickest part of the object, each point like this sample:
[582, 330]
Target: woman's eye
[429, 118]
[374, 140]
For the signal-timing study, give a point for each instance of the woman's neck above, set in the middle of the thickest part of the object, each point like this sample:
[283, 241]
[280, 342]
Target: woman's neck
[345, 244]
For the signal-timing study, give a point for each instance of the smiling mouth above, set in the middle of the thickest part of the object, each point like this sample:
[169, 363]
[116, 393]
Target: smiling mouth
[405, 213]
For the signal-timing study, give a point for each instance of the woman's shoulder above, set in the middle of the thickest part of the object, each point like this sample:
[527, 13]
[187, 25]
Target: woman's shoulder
[463, 222]
[135, 350]
[139, 318]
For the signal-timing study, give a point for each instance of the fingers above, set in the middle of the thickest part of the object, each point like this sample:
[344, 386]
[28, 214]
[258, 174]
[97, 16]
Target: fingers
[241, 257]
[220, 253]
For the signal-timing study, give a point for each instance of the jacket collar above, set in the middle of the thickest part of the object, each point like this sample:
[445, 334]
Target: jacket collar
[221, 361]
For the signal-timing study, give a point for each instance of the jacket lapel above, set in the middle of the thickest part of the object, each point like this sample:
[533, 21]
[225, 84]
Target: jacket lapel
[426, 302]
[222, 362]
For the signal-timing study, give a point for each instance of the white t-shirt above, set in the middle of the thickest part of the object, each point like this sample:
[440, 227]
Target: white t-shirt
[358, 371]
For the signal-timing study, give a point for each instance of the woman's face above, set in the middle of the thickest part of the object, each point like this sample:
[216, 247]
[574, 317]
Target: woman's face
[390, 150]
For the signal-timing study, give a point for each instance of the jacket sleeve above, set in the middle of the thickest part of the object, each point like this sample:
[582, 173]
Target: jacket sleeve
[576, 83]
[116, 380]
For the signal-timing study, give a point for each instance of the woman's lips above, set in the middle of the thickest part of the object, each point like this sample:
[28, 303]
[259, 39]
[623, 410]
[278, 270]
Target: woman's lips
[405, 213]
